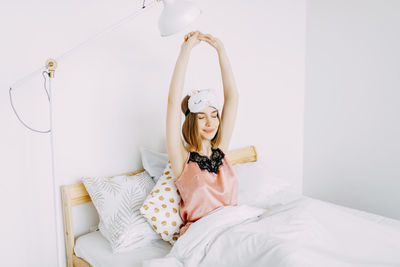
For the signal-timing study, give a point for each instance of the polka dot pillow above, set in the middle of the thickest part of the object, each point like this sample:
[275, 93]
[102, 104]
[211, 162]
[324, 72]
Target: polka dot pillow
[161, 207]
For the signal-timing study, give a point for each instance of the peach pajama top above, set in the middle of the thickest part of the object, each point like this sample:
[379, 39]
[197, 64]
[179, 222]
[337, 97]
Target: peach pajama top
[205, 185]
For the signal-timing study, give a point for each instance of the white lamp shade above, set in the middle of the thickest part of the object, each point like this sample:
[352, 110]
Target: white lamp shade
[176, 15]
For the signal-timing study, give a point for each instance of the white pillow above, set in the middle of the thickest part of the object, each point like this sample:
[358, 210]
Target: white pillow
[256, 186]
[153, 162]
[117, 200]
[161, 207]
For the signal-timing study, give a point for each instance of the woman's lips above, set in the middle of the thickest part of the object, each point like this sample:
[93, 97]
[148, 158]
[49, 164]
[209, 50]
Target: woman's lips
[209, 131]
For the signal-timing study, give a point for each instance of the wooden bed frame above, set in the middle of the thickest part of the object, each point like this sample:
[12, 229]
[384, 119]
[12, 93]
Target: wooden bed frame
[73, 195]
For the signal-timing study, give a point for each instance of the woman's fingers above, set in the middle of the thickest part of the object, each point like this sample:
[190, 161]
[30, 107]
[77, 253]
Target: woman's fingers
[204, 36]
[191, 39]
[198, 36]
[187, 36]
[190, 34]
[208, 38]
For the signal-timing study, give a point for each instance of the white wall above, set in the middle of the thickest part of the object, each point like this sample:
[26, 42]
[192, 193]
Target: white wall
[352, 104]
[109, 98]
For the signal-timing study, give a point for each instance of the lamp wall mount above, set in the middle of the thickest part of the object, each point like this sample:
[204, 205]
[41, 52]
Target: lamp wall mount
[51, 65]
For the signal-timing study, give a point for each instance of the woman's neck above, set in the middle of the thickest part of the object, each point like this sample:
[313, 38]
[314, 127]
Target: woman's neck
[205, 149]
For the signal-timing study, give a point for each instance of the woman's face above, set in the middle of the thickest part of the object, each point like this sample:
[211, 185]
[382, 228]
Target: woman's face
[207, 123]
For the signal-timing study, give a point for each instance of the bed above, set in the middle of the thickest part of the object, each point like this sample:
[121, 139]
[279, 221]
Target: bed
[284, 230]
[74, 195]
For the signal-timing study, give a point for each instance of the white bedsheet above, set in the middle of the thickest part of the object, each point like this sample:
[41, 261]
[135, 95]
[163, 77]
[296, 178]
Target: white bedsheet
[288, 230]
[302, 232]
[96, 250]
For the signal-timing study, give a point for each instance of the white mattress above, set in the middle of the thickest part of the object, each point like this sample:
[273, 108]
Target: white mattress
[94, 248]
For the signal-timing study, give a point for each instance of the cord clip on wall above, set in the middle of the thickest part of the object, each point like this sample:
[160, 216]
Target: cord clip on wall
[51, 65]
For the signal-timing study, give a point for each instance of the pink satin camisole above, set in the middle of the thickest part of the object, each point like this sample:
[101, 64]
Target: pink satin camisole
[204, 185]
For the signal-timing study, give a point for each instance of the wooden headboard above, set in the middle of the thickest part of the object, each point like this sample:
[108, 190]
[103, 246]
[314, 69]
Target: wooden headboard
[73, 195]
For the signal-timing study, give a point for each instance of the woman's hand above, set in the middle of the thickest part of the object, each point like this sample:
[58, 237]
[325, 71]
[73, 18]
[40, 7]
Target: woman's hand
[213, 41]
[191, 40]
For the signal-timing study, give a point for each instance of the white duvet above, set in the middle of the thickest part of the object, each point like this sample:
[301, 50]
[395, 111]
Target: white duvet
[305, 232]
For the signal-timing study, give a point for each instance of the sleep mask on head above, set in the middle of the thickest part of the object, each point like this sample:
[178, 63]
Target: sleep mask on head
[200, 99]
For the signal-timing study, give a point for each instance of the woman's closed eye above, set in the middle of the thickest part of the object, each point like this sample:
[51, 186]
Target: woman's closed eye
[203, 117]
[214, 117]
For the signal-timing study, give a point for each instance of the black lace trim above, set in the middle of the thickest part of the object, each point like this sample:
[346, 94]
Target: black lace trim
[210, 164]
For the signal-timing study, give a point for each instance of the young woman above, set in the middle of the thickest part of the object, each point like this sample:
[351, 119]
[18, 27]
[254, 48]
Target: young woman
[204, 177]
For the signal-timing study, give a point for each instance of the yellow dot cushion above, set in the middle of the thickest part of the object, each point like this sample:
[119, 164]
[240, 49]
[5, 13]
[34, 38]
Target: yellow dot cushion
[161, 207]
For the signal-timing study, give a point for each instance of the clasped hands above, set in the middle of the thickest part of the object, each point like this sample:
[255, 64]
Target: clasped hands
[194, 38]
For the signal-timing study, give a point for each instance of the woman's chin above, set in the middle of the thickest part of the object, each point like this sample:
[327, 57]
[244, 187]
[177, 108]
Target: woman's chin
[208, 136]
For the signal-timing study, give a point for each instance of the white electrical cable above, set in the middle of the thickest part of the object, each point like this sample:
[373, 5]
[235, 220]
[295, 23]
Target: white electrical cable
[16, 114]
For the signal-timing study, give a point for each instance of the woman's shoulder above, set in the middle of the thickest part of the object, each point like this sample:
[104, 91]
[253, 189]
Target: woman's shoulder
[223, 155]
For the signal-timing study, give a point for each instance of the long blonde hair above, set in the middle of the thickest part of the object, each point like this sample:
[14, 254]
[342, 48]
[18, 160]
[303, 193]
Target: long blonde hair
[191, 132]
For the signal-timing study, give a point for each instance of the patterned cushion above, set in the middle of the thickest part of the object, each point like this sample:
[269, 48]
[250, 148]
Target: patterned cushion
[117, 200]
[161, 207]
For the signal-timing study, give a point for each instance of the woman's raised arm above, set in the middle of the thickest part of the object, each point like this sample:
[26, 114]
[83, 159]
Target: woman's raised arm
[231, 95]
[175, 147]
